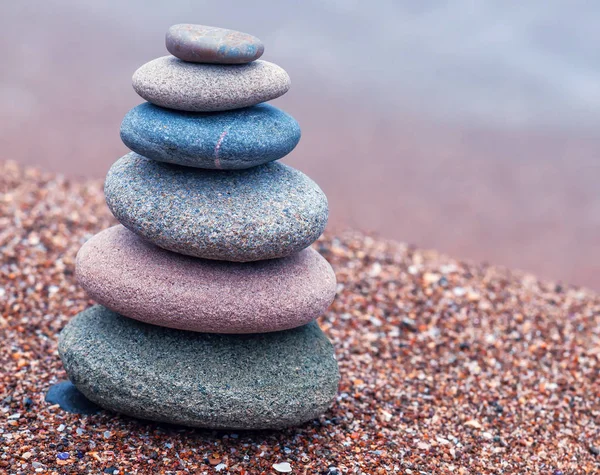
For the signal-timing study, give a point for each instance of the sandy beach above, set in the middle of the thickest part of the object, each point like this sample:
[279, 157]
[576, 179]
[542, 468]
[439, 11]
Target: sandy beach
[466, 128]
[447, 367]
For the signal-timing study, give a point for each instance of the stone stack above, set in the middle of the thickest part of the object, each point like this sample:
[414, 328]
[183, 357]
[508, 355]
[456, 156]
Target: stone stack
[208, 291]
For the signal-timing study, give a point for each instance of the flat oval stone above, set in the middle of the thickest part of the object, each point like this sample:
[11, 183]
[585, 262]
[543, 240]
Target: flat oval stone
[229, 140]
[139, 280]
[259, 213]
[176, 84]
[258, 381]
[209, 44]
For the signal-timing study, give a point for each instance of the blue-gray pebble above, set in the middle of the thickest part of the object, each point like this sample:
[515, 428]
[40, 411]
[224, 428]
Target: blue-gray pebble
[229, 140]
[263, 212]
[255, 381]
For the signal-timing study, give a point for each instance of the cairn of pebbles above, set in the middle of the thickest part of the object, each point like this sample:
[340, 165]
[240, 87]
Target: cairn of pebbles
[208, 292]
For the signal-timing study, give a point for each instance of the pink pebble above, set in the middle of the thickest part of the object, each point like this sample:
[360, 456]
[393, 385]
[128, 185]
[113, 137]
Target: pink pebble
[130, 276]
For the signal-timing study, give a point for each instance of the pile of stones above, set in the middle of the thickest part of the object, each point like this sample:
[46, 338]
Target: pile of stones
[208, 289]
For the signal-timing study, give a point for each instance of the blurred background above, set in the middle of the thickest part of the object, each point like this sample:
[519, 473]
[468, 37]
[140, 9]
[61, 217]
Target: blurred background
[471, 127]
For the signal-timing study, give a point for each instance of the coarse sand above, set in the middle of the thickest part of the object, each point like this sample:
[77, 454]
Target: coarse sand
[447, 367]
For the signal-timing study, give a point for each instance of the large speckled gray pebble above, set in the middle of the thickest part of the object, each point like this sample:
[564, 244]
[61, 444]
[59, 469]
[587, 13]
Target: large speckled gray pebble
[176, 84]
[139, 280]
[259, 381]
[264, 212]
[209, 44]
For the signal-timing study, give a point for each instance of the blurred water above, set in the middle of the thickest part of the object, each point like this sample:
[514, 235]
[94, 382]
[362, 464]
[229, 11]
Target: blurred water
[469, 126]
[533, 63]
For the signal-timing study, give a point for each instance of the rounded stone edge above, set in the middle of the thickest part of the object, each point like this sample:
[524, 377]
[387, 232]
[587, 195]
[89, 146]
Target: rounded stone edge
[203, 253]
[172, 44]
[144, 312]
[73, 370]
[214, 105]
[140, 144]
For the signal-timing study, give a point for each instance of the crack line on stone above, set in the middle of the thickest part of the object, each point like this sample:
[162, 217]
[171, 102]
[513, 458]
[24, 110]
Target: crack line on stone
[218, 148]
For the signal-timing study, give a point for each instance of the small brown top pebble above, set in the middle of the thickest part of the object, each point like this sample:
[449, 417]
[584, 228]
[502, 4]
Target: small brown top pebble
[447, 367]
[209, 44]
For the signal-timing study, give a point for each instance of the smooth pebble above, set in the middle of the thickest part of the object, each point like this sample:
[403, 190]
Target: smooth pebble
[229, 140]
[258, 381]
[210, 44]
[263, 212]
[140, 280]
[170, 82]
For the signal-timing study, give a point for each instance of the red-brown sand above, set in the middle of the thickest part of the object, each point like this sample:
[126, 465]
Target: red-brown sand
[447, 367]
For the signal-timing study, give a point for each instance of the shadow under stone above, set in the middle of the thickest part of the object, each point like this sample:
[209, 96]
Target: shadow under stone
[70, 399]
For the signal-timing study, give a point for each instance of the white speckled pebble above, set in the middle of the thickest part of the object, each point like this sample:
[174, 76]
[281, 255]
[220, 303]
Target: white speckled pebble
[176, 84]
[263, 212]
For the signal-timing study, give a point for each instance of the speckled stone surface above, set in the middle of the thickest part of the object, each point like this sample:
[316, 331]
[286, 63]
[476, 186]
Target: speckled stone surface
[209, 44]
[269, 380]
[228, 140]
[176, 84]
[70, 399]
[140, 280]
[259, 213]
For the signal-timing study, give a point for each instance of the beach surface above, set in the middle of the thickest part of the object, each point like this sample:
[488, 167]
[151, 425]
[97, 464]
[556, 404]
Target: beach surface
[447, 366]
